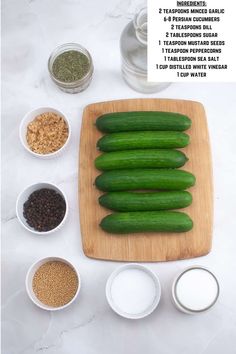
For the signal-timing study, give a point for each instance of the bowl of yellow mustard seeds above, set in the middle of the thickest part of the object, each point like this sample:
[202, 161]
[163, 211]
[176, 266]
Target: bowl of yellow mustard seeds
[53, 283]
[45, 132]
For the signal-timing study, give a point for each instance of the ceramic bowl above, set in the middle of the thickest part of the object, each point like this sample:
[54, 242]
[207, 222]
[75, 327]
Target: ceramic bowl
[29, 281]
[29, 117]
[153, 304]
[23, 197]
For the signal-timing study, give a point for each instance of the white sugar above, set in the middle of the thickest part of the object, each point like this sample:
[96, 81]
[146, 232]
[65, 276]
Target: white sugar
[133, 291]
[196, 289]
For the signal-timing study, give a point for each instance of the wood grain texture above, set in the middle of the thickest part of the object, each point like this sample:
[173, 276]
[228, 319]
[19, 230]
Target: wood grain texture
[148, 247]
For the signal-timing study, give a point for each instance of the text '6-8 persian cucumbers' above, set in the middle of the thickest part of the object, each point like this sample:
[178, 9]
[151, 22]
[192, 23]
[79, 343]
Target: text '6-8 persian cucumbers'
[147, 221]
[141, 121]
[151, 201]
[142, 140]
[147, 179]
[162, 158]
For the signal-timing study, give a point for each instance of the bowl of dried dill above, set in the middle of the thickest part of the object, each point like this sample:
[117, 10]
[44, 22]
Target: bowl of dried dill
[71, 67]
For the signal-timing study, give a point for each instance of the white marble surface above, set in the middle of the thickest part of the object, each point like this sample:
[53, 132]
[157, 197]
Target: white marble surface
[31, 30]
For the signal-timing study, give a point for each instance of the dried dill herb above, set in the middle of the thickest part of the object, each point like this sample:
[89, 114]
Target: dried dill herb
[70, 66]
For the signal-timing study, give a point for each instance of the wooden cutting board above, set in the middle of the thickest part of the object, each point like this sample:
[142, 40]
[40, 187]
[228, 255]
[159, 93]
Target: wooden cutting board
[149, 247]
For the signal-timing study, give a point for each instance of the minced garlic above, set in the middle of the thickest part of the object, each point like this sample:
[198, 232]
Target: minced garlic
[47, 133]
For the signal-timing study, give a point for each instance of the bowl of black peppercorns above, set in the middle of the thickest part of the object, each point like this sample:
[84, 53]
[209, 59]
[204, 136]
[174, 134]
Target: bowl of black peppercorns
[42, 208]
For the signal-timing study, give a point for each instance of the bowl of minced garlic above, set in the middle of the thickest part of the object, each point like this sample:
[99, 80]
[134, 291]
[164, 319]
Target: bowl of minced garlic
[45, 132]
[52, 283]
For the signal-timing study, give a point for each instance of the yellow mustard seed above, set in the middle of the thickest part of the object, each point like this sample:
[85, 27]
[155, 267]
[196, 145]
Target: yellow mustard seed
[55, 283]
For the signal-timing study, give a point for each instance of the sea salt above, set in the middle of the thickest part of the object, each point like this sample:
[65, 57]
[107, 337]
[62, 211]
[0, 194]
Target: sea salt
[133, 291]
[196, 289]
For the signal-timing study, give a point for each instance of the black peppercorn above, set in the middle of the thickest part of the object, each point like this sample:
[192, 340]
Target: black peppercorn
[44, 210]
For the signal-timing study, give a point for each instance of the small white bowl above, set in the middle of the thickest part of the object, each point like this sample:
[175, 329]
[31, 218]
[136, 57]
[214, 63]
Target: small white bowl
[156, 288]
[29, 117]
[23, 197]
[29, 279]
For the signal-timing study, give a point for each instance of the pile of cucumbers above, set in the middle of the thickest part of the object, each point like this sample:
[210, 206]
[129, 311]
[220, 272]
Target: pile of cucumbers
[140, 171]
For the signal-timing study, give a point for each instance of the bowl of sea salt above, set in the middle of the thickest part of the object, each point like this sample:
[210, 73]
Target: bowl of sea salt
[133, 291]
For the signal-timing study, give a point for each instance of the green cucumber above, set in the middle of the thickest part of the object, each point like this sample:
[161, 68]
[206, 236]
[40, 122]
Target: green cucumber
[152, 179]
[141, 120]
[131, 201]
[142, 140]
[147, 221]
[163, 158]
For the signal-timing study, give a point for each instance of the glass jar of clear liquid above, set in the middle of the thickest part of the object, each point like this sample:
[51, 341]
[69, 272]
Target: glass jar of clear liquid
[133, 46]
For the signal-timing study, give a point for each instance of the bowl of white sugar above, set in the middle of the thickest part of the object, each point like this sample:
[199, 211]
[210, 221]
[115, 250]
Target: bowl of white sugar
[133, 291]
